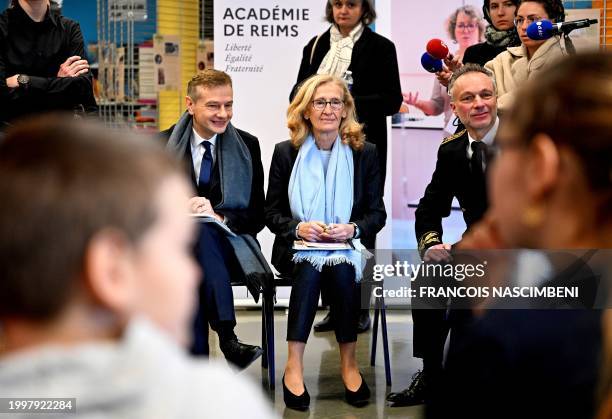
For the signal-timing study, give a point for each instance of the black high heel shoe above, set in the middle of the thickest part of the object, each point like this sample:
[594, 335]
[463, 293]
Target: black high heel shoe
[301, 402]
[358, 398]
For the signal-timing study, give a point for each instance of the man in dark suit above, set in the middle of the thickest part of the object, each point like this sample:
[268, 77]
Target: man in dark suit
[460, 173]
[224, 164]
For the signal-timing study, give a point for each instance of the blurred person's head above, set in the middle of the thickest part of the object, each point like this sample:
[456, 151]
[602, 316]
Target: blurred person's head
[552, 182]
[94, 231]
[500, 13]
[308, 114]
[474, 99]
[54, 4]
[531, 11]
[466, 26]
[210, 101]
[347, 14]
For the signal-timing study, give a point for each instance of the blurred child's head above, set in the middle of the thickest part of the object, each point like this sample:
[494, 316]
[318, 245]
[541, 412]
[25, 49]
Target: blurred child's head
[94, 230]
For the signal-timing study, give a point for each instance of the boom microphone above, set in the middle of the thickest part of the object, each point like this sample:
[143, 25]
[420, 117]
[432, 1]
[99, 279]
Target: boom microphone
[431, 64]
[545, 29]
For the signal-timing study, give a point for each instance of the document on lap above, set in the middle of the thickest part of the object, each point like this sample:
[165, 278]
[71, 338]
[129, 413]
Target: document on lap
[205, 218]
[305, 245]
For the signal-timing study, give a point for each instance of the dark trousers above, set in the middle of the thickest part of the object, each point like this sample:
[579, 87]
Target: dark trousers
[431, 325]
[429, 334]
[338, 283]
[216, 300]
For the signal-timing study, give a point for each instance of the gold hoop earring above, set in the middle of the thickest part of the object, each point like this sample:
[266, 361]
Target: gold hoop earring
[532, 216]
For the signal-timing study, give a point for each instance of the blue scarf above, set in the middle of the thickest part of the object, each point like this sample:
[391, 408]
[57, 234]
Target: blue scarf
[315, 195]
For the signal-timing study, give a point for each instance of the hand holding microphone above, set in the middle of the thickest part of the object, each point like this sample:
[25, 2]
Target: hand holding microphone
[436, 52]
[437, 56]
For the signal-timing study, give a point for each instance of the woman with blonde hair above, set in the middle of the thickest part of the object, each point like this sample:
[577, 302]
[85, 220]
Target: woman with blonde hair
[324, 186]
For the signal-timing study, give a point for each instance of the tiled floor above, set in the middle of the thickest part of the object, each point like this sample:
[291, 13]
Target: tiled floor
[322, 371]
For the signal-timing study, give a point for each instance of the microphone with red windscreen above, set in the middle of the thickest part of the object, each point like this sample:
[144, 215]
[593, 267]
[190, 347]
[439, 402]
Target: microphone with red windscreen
[438, 49]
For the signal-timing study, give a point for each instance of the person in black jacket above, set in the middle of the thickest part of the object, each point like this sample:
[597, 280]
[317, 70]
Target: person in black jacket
[42, 62]
[500, 34]
[224, 164]
[350, 45]
[460, 173]
[369, 56]
[324, 186]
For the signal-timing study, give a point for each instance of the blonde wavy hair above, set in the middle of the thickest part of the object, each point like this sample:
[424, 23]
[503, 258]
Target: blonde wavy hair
[350, 130]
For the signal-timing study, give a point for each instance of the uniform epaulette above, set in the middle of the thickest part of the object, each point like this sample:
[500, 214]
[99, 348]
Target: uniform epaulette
[453, 137]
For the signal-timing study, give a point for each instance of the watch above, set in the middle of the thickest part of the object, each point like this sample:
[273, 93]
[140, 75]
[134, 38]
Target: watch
[357, 232]
[23, 80]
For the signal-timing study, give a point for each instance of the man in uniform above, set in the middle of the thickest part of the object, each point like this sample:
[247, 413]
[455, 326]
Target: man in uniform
[459, 173]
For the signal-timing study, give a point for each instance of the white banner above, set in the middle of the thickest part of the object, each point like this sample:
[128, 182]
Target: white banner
[259, 44]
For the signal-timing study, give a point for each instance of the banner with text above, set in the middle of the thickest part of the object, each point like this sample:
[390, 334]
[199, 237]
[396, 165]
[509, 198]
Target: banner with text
[259, 44]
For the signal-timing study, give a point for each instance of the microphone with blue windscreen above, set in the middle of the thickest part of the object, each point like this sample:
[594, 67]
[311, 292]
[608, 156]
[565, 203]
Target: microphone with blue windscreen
[545, 29]
[431, 64]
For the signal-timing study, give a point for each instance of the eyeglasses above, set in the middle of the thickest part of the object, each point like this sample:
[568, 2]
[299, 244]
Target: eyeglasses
[518, 21]
[320, 104]
[466, 26]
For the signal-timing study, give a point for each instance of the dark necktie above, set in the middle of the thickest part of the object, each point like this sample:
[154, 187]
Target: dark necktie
[206, 166]
[478, 161]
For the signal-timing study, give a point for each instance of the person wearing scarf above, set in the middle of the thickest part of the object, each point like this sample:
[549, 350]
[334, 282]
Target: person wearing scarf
[500, 34]
[324, 186]
[513, 67]
[349, 44]
[224, 164]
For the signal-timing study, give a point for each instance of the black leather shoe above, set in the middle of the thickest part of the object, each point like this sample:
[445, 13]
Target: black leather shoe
[301, 402]
[240, 354]
[358, 398]
[413, 395]
[364, 323]
[325, 325]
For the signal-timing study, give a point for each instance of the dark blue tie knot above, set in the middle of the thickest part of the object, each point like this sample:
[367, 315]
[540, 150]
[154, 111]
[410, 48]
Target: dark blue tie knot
[207, 164]
[207, 145]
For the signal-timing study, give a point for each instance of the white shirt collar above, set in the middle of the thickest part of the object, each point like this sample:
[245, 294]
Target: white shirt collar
[196, 140]
[487, 139]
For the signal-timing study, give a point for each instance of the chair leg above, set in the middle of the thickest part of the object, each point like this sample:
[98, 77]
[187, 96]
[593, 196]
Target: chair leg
[264, 332]
[385, 344]
[269, 314]
[374, 336]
